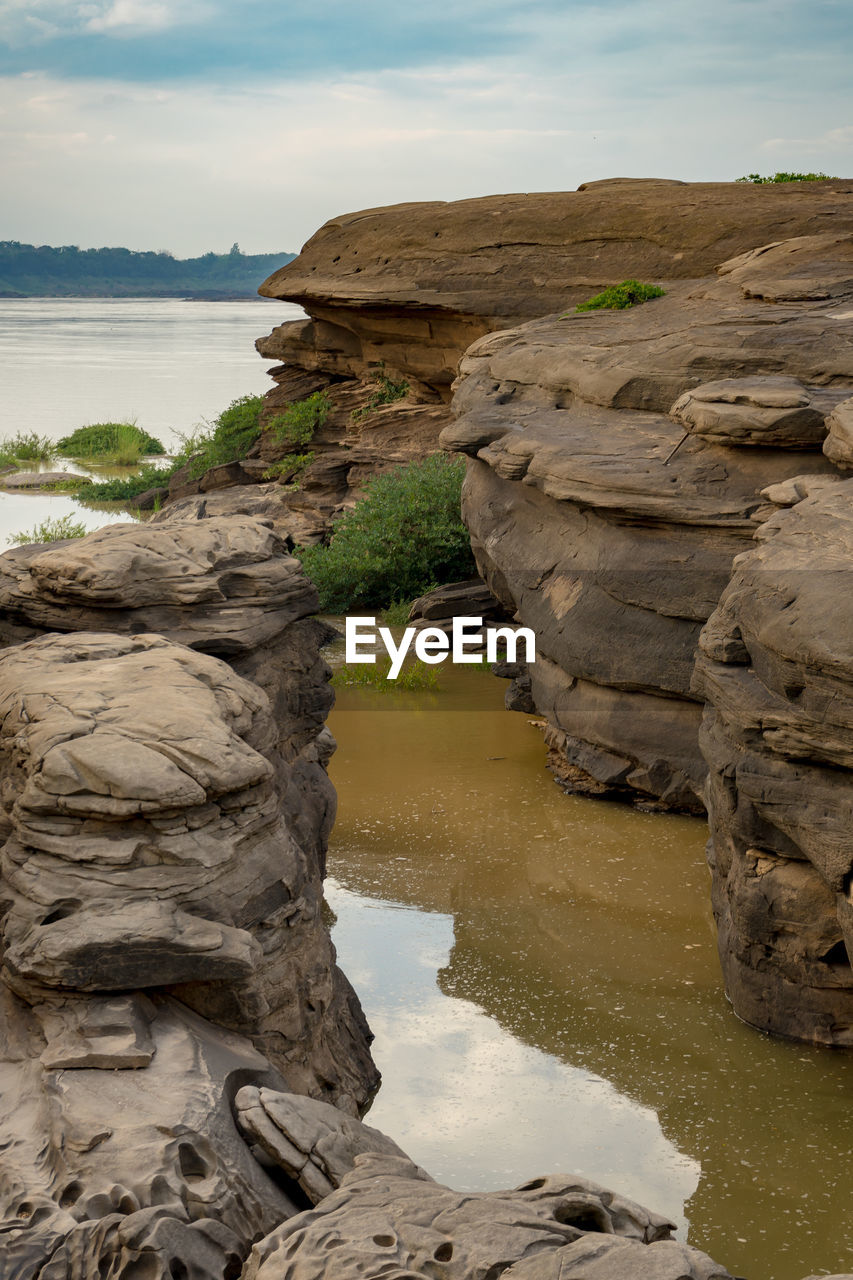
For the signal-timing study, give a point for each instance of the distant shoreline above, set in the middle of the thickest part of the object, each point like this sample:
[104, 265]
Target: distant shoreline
[182, 296]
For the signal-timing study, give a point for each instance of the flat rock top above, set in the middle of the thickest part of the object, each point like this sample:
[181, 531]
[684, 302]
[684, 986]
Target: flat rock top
[586, 407]
[223, 584]
[514, 257]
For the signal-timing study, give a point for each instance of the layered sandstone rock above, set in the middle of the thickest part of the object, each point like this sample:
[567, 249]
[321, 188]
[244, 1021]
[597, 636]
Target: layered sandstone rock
[776, 670]
[401, 292]
[225, 587]
[617, 464]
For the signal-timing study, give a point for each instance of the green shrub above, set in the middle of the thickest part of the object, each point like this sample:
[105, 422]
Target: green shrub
[228, 438]
[301, 419]
[50, 530]
[787, 177]
[403, 537]
[124, 442]
[386, 392]
[27, 447]
[292, 465]
[396, 614]
[120, 489]
[630, 293]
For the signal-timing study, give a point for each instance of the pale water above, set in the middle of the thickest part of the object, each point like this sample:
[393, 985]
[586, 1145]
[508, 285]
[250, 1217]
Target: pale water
[540, 970]
[166, 364]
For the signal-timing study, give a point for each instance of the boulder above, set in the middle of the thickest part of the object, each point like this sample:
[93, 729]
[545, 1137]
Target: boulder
[776, 671]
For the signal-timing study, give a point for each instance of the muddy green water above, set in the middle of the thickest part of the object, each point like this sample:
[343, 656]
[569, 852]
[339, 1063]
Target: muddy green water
[541, 975]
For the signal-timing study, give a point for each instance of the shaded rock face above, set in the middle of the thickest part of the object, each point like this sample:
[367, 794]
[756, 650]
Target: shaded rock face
[402, 292]
[775, 669]
[617, 467]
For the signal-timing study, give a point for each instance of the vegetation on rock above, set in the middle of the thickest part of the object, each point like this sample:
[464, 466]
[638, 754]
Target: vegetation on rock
[387, 391]
[787, 177]
[121, 442]
[630, 293]
[300, 420]
[50, 530]
[403, 537]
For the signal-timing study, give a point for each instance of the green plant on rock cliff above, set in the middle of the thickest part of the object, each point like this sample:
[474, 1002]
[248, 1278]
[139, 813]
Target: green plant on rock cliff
[300, 420]
[404, 536]
[388, 391]
[228, 438]
[630, 293]
[758, 180]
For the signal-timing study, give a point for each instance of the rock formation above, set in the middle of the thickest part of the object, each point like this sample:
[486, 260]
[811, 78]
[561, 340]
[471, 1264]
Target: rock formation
[377, 1213]
[228, 587]
[164, 817]
[399, 293]
[617, 463]
[775, 669]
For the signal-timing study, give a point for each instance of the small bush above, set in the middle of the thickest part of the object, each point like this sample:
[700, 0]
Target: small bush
[27, 447]
[396, 614]
[228, 438]
[758, 180]
[630, 293]
[50, 530]
[403, 537]
[124, 442]
[292, 466]
[301, 419]
[120, 489]
[387, 392]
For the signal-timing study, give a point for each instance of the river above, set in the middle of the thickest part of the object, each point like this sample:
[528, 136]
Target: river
[540, 970]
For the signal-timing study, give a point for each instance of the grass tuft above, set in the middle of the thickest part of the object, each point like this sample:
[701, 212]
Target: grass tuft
[619, 297]
[50, 530]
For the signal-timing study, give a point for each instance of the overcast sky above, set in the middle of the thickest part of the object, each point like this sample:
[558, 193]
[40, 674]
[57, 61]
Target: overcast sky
[189, 124]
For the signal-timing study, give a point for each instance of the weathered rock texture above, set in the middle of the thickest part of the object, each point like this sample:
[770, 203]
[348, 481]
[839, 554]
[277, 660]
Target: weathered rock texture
[618, 460]
[403, 291]
[776, 671]
[164, 823]
[377, 1213]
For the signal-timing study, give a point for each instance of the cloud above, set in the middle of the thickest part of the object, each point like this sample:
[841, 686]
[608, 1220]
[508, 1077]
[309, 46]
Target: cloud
[197, 165]
[124, 17]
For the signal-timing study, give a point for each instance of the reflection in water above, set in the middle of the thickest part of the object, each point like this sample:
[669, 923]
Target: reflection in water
[490, 1110]
[582, 931]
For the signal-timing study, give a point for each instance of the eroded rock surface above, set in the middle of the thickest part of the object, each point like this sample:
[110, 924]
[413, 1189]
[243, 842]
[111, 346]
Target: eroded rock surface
[776, 669]
[377, 1213]
[617, 467]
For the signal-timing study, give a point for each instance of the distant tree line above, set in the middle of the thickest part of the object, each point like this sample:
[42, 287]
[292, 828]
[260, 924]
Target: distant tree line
[28, 271]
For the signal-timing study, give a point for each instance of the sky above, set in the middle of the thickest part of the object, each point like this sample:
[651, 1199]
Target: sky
[188, 125]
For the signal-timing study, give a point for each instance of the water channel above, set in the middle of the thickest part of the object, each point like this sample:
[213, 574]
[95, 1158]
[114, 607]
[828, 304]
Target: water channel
[541, 974]
[539, 970]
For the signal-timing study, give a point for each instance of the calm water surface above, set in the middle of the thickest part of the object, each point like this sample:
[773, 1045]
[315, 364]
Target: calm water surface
[167, 364]
[541, 974]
